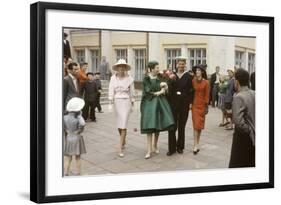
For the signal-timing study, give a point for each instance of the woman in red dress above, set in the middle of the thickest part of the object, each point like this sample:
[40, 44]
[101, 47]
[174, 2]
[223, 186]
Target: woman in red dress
[199, 105]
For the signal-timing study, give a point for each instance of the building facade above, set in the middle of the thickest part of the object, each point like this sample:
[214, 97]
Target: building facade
[137, 48]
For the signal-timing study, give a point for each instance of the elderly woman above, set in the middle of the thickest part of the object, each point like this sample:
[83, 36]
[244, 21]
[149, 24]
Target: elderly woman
[121, 89]
[199, 105]
[156, 114]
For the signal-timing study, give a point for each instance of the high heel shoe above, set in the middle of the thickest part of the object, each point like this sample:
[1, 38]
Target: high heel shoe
[196, 151]
[147, 156]
[156, 151]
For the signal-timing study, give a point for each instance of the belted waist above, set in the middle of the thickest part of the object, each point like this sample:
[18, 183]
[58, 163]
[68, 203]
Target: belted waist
[72, 132]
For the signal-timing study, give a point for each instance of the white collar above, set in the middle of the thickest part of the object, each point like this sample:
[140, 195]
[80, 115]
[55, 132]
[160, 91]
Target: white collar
[72, 77]
[180, 75]
[152, 77]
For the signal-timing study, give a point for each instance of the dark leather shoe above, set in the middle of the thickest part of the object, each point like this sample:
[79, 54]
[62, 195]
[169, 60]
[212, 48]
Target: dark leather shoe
[170, 153]
[196, 152]
[180, 151]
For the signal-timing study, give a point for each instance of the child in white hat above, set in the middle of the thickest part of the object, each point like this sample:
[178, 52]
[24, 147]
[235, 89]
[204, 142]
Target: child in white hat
[74, 124]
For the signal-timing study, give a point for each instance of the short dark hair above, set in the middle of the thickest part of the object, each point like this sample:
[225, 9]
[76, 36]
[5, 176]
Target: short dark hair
[151, 64]
[242, 76]
[70, 66]
[83, 63]
[90, 73]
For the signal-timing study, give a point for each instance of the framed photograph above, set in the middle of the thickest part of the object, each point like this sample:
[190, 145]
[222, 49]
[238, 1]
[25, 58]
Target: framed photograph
[130, 102]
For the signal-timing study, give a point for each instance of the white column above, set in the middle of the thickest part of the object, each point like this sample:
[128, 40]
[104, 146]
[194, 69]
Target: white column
[220, 52]
[131, 61]
[88, 59]
[184, 52]
[106, 47]
[246, 60]
[154, 47]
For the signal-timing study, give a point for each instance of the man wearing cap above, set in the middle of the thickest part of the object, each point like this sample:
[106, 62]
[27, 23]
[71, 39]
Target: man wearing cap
[90, 92]
[71, 83]
[180, 97]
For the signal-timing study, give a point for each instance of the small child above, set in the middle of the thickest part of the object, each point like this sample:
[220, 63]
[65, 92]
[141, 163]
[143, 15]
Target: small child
[74, 125]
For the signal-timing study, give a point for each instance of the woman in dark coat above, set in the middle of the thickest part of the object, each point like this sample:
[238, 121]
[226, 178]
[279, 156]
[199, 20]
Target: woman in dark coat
[156, 114]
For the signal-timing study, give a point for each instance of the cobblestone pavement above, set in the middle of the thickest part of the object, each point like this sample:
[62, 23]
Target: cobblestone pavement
[101, 139]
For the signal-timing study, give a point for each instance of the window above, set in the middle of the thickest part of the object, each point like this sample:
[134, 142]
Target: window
[197, 56]
[171, 56]
[140, 63]
[80, 56]
[95, 58]
[240, 59]
[121, 54]
[251, 62]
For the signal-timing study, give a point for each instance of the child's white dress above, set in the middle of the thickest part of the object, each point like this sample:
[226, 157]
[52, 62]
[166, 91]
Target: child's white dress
[74, 143]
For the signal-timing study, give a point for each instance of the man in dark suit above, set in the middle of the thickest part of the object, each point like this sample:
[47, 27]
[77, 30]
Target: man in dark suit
[180, 97]
[90, 92]
[66, 47]
[215, 81]
[70, 83]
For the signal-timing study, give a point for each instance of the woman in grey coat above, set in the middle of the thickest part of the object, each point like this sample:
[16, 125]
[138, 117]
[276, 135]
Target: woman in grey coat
[74, 124]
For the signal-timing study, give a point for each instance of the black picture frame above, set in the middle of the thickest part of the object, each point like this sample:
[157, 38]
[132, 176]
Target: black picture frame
[38, 100]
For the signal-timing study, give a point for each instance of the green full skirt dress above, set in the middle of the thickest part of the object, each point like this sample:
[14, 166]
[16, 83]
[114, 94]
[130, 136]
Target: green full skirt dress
[156, 114]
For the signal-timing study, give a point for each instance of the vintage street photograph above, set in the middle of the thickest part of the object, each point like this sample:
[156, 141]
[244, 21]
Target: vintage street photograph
[139, 101]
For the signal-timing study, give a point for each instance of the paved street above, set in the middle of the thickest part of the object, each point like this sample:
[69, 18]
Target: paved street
[101, 139]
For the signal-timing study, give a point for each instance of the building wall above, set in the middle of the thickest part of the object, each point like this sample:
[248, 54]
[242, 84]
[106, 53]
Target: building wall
[220, 50]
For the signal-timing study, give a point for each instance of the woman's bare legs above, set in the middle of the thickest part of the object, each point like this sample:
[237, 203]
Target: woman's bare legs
[196, 134]
[67, 165]
[149, 146]
[78, 164]
[122, 141]
[155, 141]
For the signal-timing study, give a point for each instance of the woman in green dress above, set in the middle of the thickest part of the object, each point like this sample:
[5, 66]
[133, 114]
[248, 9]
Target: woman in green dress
[156, 114]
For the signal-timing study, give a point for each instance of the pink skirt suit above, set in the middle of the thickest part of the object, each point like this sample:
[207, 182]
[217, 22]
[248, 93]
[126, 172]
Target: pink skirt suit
[121, 93]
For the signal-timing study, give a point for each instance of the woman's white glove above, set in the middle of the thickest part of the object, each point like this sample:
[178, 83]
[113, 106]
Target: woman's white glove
[161, 92]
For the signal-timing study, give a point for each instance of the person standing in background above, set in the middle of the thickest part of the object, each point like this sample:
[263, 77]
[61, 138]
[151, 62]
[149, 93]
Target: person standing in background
[71, 86]
[103, 68]
[81, 75]
[90, 92]
[221, 104]
[66, 47]
[253, 80]
[215, 81]
[230, 90]
[98, 83]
